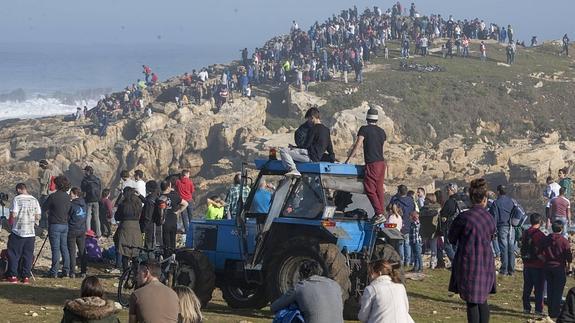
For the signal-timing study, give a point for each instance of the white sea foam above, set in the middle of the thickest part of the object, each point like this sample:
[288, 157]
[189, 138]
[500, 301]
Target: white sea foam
[39, 107]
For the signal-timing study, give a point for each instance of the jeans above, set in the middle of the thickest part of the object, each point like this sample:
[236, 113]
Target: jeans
[289, 155]
[58, 236]
[405, 250]
[506, 240]
[187, 216]
[77, 239]
[448, 249]
[93, 214]
[556, 279]
[416, 256]
[533, 278]
[495, 248]
[20, 249]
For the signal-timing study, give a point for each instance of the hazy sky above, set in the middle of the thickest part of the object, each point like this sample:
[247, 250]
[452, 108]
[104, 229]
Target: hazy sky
[241, 22]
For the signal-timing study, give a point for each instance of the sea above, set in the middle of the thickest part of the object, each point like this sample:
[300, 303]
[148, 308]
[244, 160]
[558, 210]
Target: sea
[41, 80]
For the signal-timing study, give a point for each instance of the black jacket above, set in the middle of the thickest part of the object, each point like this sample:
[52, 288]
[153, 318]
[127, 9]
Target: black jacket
[146, 220]
[300, 135]
[92, 188]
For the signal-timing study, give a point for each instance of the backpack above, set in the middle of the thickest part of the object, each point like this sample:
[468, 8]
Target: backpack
[518, 216]
[52, 185]
[291, 314]
[528, 249]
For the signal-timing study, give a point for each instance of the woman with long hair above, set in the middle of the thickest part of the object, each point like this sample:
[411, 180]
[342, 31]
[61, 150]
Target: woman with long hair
[189, 305]
[128, 233]
[473, 268]
[91, 306]
[385, 299]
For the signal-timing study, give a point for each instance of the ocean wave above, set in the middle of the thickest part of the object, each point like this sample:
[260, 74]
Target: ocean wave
[40, 107]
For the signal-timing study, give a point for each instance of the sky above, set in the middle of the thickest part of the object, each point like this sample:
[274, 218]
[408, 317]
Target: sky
[244, 23]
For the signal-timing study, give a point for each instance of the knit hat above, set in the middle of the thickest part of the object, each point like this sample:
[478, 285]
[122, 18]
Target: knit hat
[372, 114]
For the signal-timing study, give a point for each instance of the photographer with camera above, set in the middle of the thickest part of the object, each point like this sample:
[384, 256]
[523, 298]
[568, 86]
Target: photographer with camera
[24, 213]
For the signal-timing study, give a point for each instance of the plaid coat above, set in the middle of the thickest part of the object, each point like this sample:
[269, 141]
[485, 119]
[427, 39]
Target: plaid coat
[473, 269]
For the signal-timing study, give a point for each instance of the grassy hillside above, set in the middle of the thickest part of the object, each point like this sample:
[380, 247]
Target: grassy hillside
[467, 91]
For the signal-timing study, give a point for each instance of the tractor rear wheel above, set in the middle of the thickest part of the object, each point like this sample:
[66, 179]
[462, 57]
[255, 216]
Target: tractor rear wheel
[381, 251]
[242, 295]
[197, 272]
[284, 266]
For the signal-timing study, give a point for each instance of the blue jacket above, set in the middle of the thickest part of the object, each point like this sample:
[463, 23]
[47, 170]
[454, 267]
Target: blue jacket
[77, 213]
[501, 210]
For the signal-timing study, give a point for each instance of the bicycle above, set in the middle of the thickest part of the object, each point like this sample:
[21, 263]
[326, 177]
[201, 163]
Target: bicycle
[128, 283]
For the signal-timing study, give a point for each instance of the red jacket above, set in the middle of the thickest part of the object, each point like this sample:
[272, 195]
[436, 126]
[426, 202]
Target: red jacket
[185, 188]
[556, 251]
[537, 238]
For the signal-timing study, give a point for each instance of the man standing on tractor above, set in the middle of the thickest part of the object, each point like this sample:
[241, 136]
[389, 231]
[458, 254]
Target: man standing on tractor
[372, 137]
[317, 147]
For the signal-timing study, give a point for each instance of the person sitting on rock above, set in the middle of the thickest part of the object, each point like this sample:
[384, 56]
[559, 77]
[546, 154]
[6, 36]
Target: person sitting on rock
[313, 149]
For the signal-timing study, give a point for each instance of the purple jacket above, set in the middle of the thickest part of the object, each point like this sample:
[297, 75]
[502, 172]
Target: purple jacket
[473, 269]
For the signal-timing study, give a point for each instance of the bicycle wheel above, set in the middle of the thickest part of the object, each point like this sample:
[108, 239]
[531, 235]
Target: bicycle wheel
[126, 286]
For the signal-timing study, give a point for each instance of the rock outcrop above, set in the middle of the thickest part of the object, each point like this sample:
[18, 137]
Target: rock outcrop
[213, 144]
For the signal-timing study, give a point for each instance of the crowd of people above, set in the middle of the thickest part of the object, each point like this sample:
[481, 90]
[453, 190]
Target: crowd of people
[334, 48]
[471, 227]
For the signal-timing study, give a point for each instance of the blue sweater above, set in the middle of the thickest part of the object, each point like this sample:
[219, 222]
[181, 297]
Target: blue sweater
[501, 210]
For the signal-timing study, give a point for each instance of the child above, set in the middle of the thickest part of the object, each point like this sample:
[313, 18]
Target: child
[386, 52]
[556, 252]
[93, 251]
[215, 208]
[533, 273]
[415, 242]
[76, 231]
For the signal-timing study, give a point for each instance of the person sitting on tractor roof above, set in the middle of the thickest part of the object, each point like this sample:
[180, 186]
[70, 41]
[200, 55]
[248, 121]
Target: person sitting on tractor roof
[313, 149]
[318, 298]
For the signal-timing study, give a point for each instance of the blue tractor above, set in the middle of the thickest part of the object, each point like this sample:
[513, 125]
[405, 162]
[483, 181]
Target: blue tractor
[321, 216]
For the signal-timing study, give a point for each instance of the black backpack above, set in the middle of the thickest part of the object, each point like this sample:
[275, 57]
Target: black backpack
[528, 249]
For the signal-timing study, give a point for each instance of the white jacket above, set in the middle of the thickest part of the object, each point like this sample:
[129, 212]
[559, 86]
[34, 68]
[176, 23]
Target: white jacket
[384, 301]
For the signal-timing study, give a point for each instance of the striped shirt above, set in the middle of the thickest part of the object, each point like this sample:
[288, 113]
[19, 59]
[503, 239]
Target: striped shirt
[25, 208]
